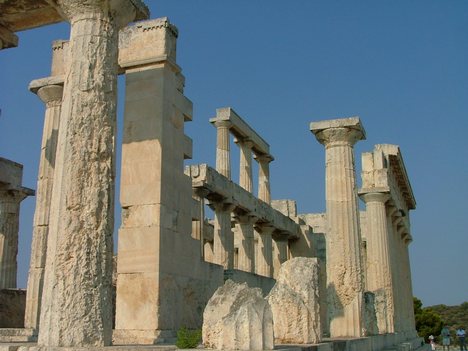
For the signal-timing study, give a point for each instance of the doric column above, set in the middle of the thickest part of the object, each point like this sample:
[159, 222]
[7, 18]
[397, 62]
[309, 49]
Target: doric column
[264, 178]
[77, 294]
[51, 95]
[246, 258]
[223, 239]
[396, 268]
[379, 274]
[10, 200]
[245, 168]
[265, 254]
[280, 254]
[223, 148]
[411, 327]
[344, 270]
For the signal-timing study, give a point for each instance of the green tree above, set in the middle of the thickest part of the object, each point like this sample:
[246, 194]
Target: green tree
[427, 320]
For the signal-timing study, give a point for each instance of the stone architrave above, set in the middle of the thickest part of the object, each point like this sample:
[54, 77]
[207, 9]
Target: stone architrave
[379, 275]
[79, 246]
[238, 318]
[51, 95]
[295, 302]
[344, 267]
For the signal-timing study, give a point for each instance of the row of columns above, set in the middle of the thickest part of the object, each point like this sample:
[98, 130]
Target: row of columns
[251, 258]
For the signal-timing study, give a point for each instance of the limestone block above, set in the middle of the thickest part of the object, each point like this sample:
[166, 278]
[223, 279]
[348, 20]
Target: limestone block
[237, 318]
[295, 304]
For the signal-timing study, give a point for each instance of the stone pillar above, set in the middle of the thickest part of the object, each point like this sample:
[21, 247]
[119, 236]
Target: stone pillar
[265, 254]
[280, 254]
[10, 200]
[264, 178]
[51, 95]
[344, 270]
[379, 274]
[409, 290]
[396, 269]
[245, 168]
[223, 148]
[223, 238]
[246, 258]
[77, 294]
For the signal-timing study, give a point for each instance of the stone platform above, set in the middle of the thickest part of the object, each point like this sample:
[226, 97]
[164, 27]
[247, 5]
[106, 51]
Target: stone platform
[388, 342]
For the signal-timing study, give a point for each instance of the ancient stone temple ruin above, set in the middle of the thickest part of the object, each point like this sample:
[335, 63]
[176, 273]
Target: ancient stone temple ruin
[171, 256]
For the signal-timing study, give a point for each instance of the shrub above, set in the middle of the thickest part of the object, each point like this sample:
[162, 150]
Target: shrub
[188, 339]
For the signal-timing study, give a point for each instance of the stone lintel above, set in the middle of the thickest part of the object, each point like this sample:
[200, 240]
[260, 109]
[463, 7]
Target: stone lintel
[37, 84]
[241, 130]
[148, 42]
[396, 163]
[209, 179]
[28, 14]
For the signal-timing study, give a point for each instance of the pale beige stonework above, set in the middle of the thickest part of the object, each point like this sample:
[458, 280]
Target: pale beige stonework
[295, 302]
[11, 194]
[344, 269]
[79, 246]
[237, 318]
[162, 281]
[50, 91]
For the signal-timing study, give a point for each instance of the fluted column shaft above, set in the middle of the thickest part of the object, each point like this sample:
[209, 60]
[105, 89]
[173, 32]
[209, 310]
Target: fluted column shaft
[246, 257]
[264, 178]
[245, 167]
[9, 224]
[223, 239]
[77, 293]
[379, 275]
[344, 269]
[223, 148]
[396, 268]
[280, 255]
[51, 95]
[411, 327]
[265, 254]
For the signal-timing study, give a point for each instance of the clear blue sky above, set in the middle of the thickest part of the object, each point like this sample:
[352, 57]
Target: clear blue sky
[402, 66]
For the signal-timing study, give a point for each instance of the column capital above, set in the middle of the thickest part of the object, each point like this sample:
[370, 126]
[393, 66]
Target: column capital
[266, 229]
[245, 219]
[50, 94]
[347, 131]
[15, 194]
[122, 11]
[222, 124]
[264, 158]
[374, 196]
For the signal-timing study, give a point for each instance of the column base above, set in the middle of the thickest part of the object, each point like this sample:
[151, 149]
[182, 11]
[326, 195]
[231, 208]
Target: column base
[18, 335]
[142, 337]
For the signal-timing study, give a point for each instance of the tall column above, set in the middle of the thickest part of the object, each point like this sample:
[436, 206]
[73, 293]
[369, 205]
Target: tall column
[398, 294]
[245, 168]
[223, 148]
[409, 289]
[246, 258]
[264, 178]
[10, 200]
[379, 275]
[344, 270]
[265, 254]
[223, 239]
[280, 254]
[77, 294]
[51, 95]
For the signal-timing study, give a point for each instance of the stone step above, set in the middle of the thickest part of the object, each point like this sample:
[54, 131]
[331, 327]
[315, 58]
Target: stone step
[17, 335]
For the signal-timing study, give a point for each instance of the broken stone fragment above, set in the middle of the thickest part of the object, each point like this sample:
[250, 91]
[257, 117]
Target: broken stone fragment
[237, 318]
